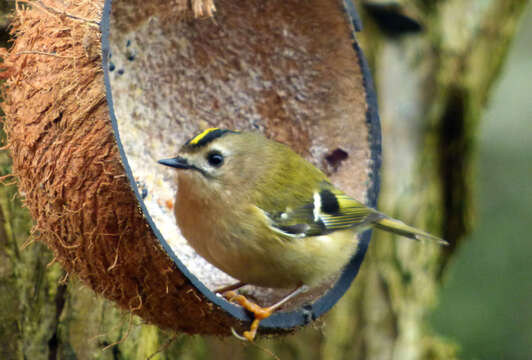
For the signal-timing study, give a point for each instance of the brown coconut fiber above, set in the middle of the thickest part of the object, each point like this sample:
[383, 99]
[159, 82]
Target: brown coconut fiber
[70, 173]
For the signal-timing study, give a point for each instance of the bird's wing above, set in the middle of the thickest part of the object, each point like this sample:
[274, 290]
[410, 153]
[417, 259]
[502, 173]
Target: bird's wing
[328, 210]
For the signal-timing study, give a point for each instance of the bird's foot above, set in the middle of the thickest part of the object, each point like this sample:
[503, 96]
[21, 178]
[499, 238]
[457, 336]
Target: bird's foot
[260, 313]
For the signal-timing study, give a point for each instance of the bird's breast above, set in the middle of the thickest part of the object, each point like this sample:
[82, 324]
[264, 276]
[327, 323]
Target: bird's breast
[238, 240]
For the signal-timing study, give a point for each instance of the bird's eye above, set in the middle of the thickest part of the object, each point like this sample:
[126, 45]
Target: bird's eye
[215, 159]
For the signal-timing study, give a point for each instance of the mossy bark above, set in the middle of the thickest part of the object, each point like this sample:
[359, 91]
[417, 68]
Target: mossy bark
[432, 88]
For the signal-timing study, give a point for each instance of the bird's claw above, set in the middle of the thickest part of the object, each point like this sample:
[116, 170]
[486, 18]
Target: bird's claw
[238, 336]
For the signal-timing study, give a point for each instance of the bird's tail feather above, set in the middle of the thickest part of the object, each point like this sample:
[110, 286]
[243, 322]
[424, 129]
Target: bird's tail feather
[400, 228]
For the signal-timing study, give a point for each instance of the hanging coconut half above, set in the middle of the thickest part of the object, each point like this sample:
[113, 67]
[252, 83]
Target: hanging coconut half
[97, 93]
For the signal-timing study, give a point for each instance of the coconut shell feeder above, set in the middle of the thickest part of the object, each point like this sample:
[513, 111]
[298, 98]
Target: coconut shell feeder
[97, 92]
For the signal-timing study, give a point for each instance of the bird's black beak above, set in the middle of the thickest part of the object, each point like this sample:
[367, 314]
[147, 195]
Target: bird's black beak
[177, 162]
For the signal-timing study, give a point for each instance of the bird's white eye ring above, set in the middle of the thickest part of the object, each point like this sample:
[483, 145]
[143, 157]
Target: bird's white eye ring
[215, 159]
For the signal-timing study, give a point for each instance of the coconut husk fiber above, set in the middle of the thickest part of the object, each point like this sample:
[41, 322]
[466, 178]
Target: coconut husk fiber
[70, 173]
[66, 156]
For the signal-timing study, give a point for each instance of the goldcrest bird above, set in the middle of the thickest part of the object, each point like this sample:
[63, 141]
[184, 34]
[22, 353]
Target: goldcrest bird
[261, 213]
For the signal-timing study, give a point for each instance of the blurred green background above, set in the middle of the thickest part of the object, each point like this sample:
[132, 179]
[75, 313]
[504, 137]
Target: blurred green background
[485, 304]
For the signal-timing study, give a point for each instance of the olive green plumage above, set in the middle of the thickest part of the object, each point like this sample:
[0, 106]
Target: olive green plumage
[263, 214]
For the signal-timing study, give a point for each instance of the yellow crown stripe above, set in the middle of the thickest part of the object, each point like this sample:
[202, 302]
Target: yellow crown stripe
[198, 138]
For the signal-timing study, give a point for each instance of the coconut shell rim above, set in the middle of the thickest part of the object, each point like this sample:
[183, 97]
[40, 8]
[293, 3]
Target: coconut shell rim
[306, 314]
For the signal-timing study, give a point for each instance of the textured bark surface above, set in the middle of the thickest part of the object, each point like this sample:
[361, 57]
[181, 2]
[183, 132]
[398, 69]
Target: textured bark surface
[432, 88]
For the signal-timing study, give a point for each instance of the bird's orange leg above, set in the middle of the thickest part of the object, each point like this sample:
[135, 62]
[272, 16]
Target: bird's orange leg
[259, 312]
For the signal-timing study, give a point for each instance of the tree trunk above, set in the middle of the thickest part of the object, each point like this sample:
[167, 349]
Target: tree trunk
[433, 83]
